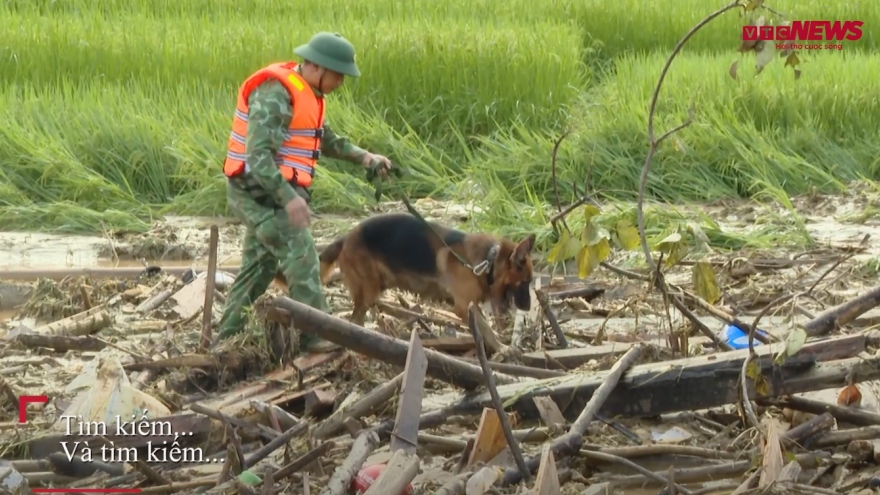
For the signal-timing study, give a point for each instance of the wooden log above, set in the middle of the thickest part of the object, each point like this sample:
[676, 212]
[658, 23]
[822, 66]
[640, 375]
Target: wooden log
[358, 409]
[843, 314]
[154, 302]
[450, 344]
[574, 357]
[800, 434]
[851, 415]
[60, 343]
[84, 323]
[689, 384]
[340, 480]
[401, 469]
[571, 442]
[517, 370]
[382, 347]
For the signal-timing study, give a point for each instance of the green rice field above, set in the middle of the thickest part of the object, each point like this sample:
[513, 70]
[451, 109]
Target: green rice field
[116, 111]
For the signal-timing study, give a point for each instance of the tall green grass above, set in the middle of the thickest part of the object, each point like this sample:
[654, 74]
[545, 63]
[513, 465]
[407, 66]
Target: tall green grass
[122, 107]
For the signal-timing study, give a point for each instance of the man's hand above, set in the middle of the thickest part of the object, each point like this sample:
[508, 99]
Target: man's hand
[298, 212]
[370, 159]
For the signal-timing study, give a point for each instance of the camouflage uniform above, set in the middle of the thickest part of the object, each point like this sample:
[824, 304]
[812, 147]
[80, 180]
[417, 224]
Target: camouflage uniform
[257, 198]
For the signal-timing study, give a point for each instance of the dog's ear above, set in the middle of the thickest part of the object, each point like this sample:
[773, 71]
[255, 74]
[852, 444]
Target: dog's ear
[522, 250]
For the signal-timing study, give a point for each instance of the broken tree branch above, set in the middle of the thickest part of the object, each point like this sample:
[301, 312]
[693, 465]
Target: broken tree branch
[514, 446]
[208, 309]
[842, 315]
[571, 442]
[339, 481]
[654, 144]
[382, 347]
[358, 409]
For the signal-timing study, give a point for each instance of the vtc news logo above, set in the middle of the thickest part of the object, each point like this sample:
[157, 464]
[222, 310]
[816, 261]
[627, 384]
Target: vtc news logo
[806, 31]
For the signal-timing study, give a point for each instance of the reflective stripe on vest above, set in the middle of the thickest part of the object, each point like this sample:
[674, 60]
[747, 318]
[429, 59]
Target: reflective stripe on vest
[300, 150]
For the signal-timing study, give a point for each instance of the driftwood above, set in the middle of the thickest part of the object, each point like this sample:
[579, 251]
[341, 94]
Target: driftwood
[843, 314]
[473, 323]
[358, 409]
[401, 469]
[685, 384]
[85, 323]
[571, 442]
[843, 437]
[211, 279]
[154, 302]
[339, 482]
[805, 431]
[60, 343]
[518, 370]
[304, 460]
[275, 444]
[853, 416]
[382, 347]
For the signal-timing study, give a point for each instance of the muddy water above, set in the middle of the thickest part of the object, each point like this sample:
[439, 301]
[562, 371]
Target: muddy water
[190, 237]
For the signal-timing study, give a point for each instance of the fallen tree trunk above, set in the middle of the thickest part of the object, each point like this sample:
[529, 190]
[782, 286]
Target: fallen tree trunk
[382, 347]
[843, 314]
[685, 384]
[60, 343]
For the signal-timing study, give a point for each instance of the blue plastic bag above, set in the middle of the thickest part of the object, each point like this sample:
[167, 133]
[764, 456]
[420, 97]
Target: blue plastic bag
[737, 338]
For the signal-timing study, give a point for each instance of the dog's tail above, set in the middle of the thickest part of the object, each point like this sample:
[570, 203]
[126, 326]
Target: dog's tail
[328, 258]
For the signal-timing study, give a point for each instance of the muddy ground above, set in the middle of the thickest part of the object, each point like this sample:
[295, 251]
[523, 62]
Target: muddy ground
[837, 225]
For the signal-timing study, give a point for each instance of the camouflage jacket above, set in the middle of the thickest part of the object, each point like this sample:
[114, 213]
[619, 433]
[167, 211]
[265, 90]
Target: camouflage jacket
[269, 115]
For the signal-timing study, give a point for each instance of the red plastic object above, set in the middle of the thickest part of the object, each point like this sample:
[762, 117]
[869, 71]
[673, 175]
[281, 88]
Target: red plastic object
[367, 475]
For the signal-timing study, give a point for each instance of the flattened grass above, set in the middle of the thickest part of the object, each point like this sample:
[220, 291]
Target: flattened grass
[124, 106]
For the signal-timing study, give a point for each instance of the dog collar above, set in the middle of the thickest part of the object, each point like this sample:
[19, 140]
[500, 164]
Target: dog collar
[487, 266]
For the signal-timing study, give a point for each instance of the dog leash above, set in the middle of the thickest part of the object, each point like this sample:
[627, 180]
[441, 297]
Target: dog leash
[375, 179]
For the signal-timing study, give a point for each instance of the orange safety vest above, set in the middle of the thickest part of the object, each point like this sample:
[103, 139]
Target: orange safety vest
[299, 153]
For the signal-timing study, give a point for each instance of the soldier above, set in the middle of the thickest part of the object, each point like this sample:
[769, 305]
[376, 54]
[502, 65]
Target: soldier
[278, 133]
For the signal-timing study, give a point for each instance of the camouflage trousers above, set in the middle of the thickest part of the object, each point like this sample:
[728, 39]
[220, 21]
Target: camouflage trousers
[270, 241]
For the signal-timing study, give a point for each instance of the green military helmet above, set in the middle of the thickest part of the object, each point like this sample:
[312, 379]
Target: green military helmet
[331, 51]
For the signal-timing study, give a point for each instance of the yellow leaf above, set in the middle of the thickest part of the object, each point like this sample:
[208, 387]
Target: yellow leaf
[590, 211]
[673, 247]
[627, 234]
[762, 386]
[586, 261]
[558, 251]
[753, 371]
[602, 250]
[705, 284]
[754, 4]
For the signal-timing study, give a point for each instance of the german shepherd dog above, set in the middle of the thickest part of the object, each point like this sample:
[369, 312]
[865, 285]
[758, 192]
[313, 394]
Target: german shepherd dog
[398, 250]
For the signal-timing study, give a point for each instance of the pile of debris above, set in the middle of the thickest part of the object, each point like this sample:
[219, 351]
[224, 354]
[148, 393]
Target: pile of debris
[133, 395]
